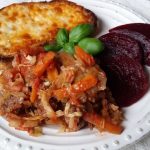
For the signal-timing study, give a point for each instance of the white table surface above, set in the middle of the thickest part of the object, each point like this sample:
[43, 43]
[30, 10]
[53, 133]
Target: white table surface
[142, 7]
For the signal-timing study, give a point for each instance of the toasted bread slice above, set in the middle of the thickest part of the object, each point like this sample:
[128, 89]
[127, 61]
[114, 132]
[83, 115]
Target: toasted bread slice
[25, 26]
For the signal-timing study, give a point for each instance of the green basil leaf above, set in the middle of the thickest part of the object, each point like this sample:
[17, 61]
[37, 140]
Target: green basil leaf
[92, 46]
[62, 37]
[79, 32]
[69, 48]
[52, 47]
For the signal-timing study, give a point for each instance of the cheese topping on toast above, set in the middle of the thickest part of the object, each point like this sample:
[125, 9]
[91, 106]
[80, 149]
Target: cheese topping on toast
[25, 26]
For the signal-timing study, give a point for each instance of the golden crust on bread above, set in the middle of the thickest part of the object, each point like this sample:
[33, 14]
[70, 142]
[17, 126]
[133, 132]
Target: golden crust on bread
[25, 26]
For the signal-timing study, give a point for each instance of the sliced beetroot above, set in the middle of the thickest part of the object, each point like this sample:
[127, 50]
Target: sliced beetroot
[142, 39]
[126, 79]
[119, 44]
[142, 28]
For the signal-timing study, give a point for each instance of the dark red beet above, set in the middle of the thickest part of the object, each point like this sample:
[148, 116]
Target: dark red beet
[142, 39]
[126, 79]
[119, 44]
[142, 28]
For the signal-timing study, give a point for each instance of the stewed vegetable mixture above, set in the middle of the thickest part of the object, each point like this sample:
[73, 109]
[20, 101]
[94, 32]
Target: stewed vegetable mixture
[62, 86]
[57, 88]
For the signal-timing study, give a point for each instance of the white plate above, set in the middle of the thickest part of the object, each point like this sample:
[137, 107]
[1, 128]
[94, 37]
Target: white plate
[137, 116]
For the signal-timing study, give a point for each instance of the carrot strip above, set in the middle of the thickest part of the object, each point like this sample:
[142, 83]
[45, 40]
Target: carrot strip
[42, 65]
[35, 88]
[60, 94]
[53, 121]
[84, 84]
[23, 128]
[74, 101]
[85, 57]
[52, 74]
[102, 124]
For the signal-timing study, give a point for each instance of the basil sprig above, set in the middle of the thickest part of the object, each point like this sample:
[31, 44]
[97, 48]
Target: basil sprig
[92, 46]
[62, 37]
[52, 47]
[77, 36]
[79, 32]
[69, 47]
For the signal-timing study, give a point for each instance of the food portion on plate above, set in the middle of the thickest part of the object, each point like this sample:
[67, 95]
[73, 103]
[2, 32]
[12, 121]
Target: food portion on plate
[127, 50]
[58, 88]
[140, 33]
[53, 78]
[27, 26]
[51, 73]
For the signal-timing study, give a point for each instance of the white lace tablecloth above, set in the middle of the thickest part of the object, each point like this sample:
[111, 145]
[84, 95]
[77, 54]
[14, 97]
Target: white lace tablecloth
[142, 7]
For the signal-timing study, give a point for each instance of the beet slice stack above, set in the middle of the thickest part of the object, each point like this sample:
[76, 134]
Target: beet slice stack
[119, 44]
[139, 32]
[126, 79]
[127, 49]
